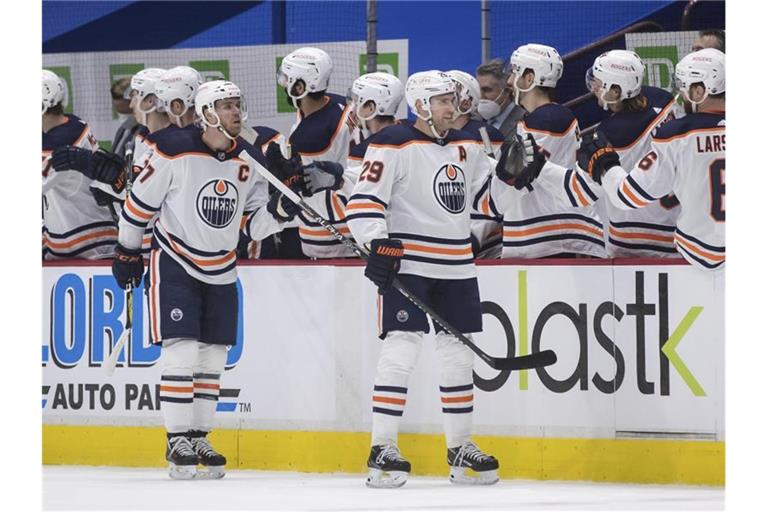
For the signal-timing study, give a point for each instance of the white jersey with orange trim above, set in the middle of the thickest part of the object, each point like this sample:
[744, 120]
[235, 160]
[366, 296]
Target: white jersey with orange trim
[74, 225]
[647, 232]
[539, 224]
[202, 199]
[414, 189]
[323, 136]
[687, 157]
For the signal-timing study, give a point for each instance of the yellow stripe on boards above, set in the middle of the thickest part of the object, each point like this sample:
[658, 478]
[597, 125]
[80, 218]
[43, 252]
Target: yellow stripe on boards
[600, 460]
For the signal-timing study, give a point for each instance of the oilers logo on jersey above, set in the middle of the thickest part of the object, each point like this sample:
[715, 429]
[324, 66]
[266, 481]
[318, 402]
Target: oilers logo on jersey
[217, 203]
[450, 188]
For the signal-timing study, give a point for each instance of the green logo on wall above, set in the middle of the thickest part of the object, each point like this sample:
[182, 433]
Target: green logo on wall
[211, 69]
[118, 71]
[660, 64]
[65, 73]
[385, 62]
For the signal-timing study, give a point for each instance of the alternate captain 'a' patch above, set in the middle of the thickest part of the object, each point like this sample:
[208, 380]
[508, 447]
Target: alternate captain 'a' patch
[450, 188]
[217, 203]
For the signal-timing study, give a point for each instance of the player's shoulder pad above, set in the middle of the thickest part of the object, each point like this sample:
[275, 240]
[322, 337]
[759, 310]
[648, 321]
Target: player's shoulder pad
[175, 142]
[473, 128]
[692, 122]
[552, 117]
[395, 135]
[358, 150]
[66, 134]
[657, 97]
[264, 134]
[624, 128]
[316, 132]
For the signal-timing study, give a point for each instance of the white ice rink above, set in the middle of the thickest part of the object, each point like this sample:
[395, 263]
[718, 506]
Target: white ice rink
[102, 488]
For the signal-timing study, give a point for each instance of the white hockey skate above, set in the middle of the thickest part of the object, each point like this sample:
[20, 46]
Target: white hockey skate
[387, 469]
[181, 458]
[470, 466]
[213, 463]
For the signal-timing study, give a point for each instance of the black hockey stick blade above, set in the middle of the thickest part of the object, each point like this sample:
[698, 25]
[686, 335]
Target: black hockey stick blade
[536, 360]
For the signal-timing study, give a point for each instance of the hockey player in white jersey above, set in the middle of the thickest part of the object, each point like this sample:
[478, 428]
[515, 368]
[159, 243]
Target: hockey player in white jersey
[319, 134]
[615, 78]
[376, 98]
[410, 207]
[538, 225]
[74, 224]
[204, 188]
[486, 225]
[686, 156]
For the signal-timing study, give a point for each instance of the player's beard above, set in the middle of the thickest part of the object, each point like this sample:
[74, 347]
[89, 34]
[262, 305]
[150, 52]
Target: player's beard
[688, 106]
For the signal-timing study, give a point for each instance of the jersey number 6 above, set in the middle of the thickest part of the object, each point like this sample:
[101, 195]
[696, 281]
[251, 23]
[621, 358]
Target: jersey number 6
[717, 189]
[372, 171]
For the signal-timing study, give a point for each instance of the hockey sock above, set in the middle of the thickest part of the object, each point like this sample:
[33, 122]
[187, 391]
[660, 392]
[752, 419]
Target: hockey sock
[396, 362]
[456, 388]
[207, 374]
[176, 386]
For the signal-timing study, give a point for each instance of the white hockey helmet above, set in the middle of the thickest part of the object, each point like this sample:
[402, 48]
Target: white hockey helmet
[423, 86]
[542, 60]
[383, 89]
[54, 90]
[622, 68]
[310, 65]
[467, 88]
[179, 83]
[705, 66]
[144, 83]
[207, 96]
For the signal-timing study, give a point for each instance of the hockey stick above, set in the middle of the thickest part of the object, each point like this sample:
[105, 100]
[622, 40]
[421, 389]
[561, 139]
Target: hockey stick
[486, 141]
[111, 362]
[537, 360]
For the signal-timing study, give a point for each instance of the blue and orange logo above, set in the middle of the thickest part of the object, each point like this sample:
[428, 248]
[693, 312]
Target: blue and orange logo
[217, 203]
[450, 188]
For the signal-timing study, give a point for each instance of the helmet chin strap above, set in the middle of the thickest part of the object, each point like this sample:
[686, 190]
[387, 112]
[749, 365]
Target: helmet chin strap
[695, 104]
[218, 125]
[430, 123]
[519, 90]
[606, 102]
[364, 121]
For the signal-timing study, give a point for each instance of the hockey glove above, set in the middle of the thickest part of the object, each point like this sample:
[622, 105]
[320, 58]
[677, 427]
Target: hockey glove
[596, 156]
[108, 168]
[286, 170]
[319, 176]
[282, 208]
[128, 266]
[67, 158]
[384, 262]
[520, 162]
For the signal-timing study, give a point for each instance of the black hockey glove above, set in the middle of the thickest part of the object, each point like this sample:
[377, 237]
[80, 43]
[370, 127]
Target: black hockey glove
[70, 158]
[384, 262]
[127, 267]
[596, 156]
[108, 168]
[286, 170]
[282, 208]
[319, 176]
[520, 162]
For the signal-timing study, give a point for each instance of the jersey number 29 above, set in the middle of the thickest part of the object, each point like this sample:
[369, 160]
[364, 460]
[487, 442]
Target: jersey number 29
[372, 171]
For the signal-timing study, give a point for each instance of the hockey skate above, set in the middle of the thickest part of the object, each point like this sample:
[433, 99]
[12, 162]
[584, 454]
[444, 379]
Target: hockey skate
[471, 466]
[212, 461]
[181, 457]
[386, 467]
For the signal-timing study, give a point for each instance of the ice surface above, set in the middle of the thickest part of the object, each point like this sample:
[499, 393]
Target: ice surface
[109, 488]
